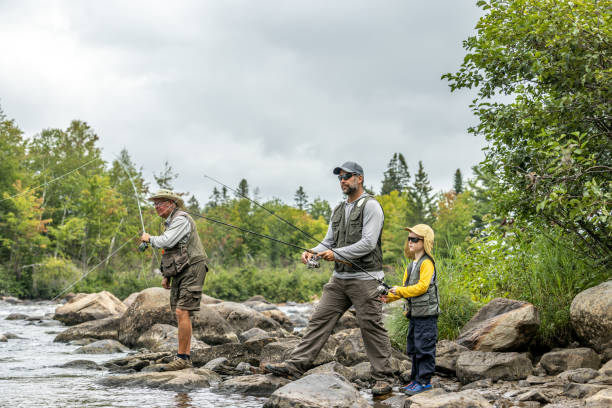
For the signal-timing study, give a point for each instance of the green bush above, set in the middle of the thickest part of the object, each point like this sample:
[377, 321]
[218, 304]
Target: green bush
[51, 276]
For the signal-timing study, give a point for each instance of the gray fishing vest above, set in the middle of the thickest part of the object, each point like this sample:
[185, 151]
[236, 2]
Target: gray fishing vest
[427, 304]
[347, 232]
[176, 259]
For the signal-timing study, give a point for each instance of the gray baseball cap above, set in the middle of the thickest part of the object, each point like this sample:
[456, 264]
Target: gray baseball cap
[349, 167]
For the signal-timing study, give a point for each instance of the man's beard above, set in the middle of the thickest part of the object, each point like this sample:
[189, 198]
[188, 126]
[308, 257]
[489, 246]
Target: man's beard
[350, 189]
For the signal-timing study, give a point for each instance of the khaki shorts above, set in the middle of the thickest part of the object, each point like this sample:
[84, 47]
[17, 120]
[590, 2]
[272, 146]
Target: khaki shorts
[186, 288]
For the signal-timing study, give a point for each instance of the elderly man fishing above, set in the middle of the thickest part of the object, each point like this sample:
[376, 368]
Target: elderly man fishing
[183, 266]
[353, 241]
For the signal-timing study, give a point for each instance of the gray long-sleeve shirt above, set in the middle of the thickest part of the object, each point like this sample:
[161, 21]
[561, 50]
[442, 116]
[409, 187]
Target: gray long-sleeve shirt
[373, 219]
[176, 231]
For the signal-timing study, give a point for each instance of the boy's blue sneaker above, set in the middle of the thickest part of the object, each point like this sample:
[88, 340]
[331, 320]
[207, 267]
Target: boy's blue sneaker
[417, 388]
[407, 387]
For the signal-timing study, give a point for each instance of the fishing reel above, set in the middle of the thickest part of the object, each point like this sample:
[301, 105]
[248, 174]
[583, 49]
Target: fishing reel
[313, 262]
[143, 246]
[383, 289]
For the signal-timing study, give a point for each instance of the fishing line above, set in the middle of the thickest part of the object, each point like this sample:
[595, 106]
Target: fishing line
[298, 229]
[94, 268]
[50, 181]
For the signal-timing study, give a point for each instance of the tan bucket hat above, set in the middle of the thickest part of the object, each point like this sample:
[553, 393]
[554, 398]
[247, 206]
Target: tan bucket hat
[425, 231]
[168, 195]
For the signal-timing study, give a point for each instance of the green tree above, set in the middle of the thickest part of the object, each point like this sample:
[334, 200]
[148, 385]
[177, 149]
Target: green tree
[165, 179]
[320, 208]
[193, 205]
[397, 176]
[301, 199]
[243, 189]
[458, 182]
[453, 222]
[422, 204]
[549, 147]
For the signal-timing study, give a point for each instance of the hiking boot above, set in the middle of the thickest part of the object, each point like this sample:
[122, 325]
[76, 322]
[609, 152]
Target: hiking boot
[417, 388]
[177, 364]
[286, 370]
[408, 386]
[381, 388]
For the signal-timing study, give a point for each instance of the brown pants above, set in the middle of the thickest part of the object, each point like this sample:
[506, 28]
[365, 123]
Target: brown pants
[338, 296]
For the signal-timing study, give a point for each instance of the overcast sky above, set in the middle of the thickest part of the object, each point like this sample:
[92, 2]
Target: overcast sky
[277, 92]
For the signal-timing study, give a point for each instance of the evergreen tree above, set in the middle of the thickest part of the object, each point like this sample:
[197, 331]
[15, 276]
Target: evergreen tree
[421, 198]
[397, 176]
[224, 195]
[166, 178]
[301, 199]
[320, 208]
[458, 185]
[215, 198]
[243, 189]
[193, 205]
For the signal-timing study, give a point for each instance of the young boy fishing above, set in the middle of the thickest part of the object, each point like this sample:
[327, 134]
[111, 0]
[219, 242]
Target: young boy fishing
[422, 307]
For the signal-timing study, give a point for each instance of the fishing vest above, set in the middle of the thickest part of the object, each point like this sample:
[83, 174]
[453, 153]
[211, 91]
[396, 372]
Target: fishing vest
[347, 232]
[184, 253]
[427, 304]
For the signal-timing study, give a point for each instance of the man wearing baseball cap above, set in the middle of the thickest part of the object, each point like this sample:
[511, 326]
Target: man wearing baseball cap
[183, 266]
[354, 233]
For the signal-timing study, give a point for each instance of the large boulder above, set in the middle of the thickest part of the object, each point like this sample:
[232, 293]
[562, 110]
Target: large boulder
[88, 307]
[130, 299]
[440, 399]
[603, 399]
[447, 353]
[351, 350]
[557, 361]
[106, 328]
[591, 314]
[151, 306]
[163, 337]
[501, 325]
[179, 381]
[317, 391]
[478, 365]
[243, 318]
[280, 317]
[210, 327]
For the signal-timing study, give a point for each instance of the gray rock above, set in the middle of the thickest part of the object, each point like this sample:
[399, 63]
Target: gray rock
[333, 367]
[316, 391]
[447, 353]
[501, 325]
[477, 365]
[82, 342]
[235, 353]
[603, 399]
[151, 306]
[163, 337]
[557, 361]
[3, 339]
[575, 390]
[351, 350]
[279, 351]
[16, 316]
[221, 366]
[258, 385]
[253, 334]
[578, 375]
[106, 328]
[247, 369]
[606, 369]
[211, 327]
[363, 371]
[462, 399]
[130, 299]
[12, 336]
[591, 315]
[279, 317]
[92, 306]
[82, 365]
[242, 318]
[395, 401]
[179, 381]
[533, 395]
[102, 347]
[486, 383]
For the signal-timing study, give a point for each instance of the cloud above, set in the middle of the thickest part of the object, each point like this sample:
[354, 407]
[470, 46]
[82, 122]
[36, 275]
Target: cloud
[275, 92]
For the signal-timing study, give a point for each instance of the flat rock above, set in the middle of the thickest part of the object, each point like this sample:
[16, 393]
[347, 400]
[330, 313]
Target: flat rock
[234, 352]
[447, 353]
[280, 350]
[578, 375]
[533, 395]
[258, 385]
[16, 316]
[81, 364]
[92, 306]
[102, 347]
[179, 381]
[462, 399]
[606, 369]
[477, 365]
[603, 399]
[501, 325]
[557, 361]
[591, 315]
[253, 334]
[95, 329]
[333, 367]
[317, 391]
[575, 390]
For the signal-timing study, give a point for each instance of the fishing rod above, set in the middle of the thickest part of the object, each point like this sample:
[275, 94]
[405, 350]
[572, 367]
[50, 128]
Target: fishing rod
[382, 289]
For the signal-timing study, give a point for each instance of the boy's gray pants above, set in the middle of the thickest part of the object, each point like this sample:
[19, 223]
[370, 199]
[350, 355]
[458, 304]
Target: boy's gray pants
[338, 296]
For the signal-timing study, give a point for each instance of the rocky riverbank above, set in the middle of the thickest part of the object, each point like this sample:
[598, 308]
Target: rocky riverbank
[485, 367]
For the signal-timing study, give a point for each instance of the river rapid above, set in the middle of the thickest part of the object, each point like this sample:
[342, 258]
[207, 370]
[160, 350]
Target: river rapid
[30, 375]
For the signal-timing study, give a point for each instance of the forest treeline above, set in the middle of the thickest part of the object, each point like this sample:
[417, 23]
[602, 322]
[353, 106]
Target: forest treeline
[533, 223]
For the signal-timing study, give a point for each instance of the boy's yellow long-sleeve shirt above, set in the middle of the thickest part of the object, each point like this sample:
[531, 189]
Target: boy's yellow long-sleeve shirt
[426, 273]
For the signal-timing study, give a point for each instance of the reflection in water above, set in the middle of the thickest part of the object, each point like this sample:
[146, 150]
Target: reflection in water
[183, 400]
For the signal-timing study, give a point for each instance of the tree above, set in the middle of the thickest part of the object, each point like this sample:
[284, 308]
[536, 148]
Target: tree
[458, 183]
[215, 198]
[166, 177]
[301, 199]
[397, 176]
[421, 199]
[319, 208]
[193, 205]
[453, 222]
[549, 147]
[243, 189]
